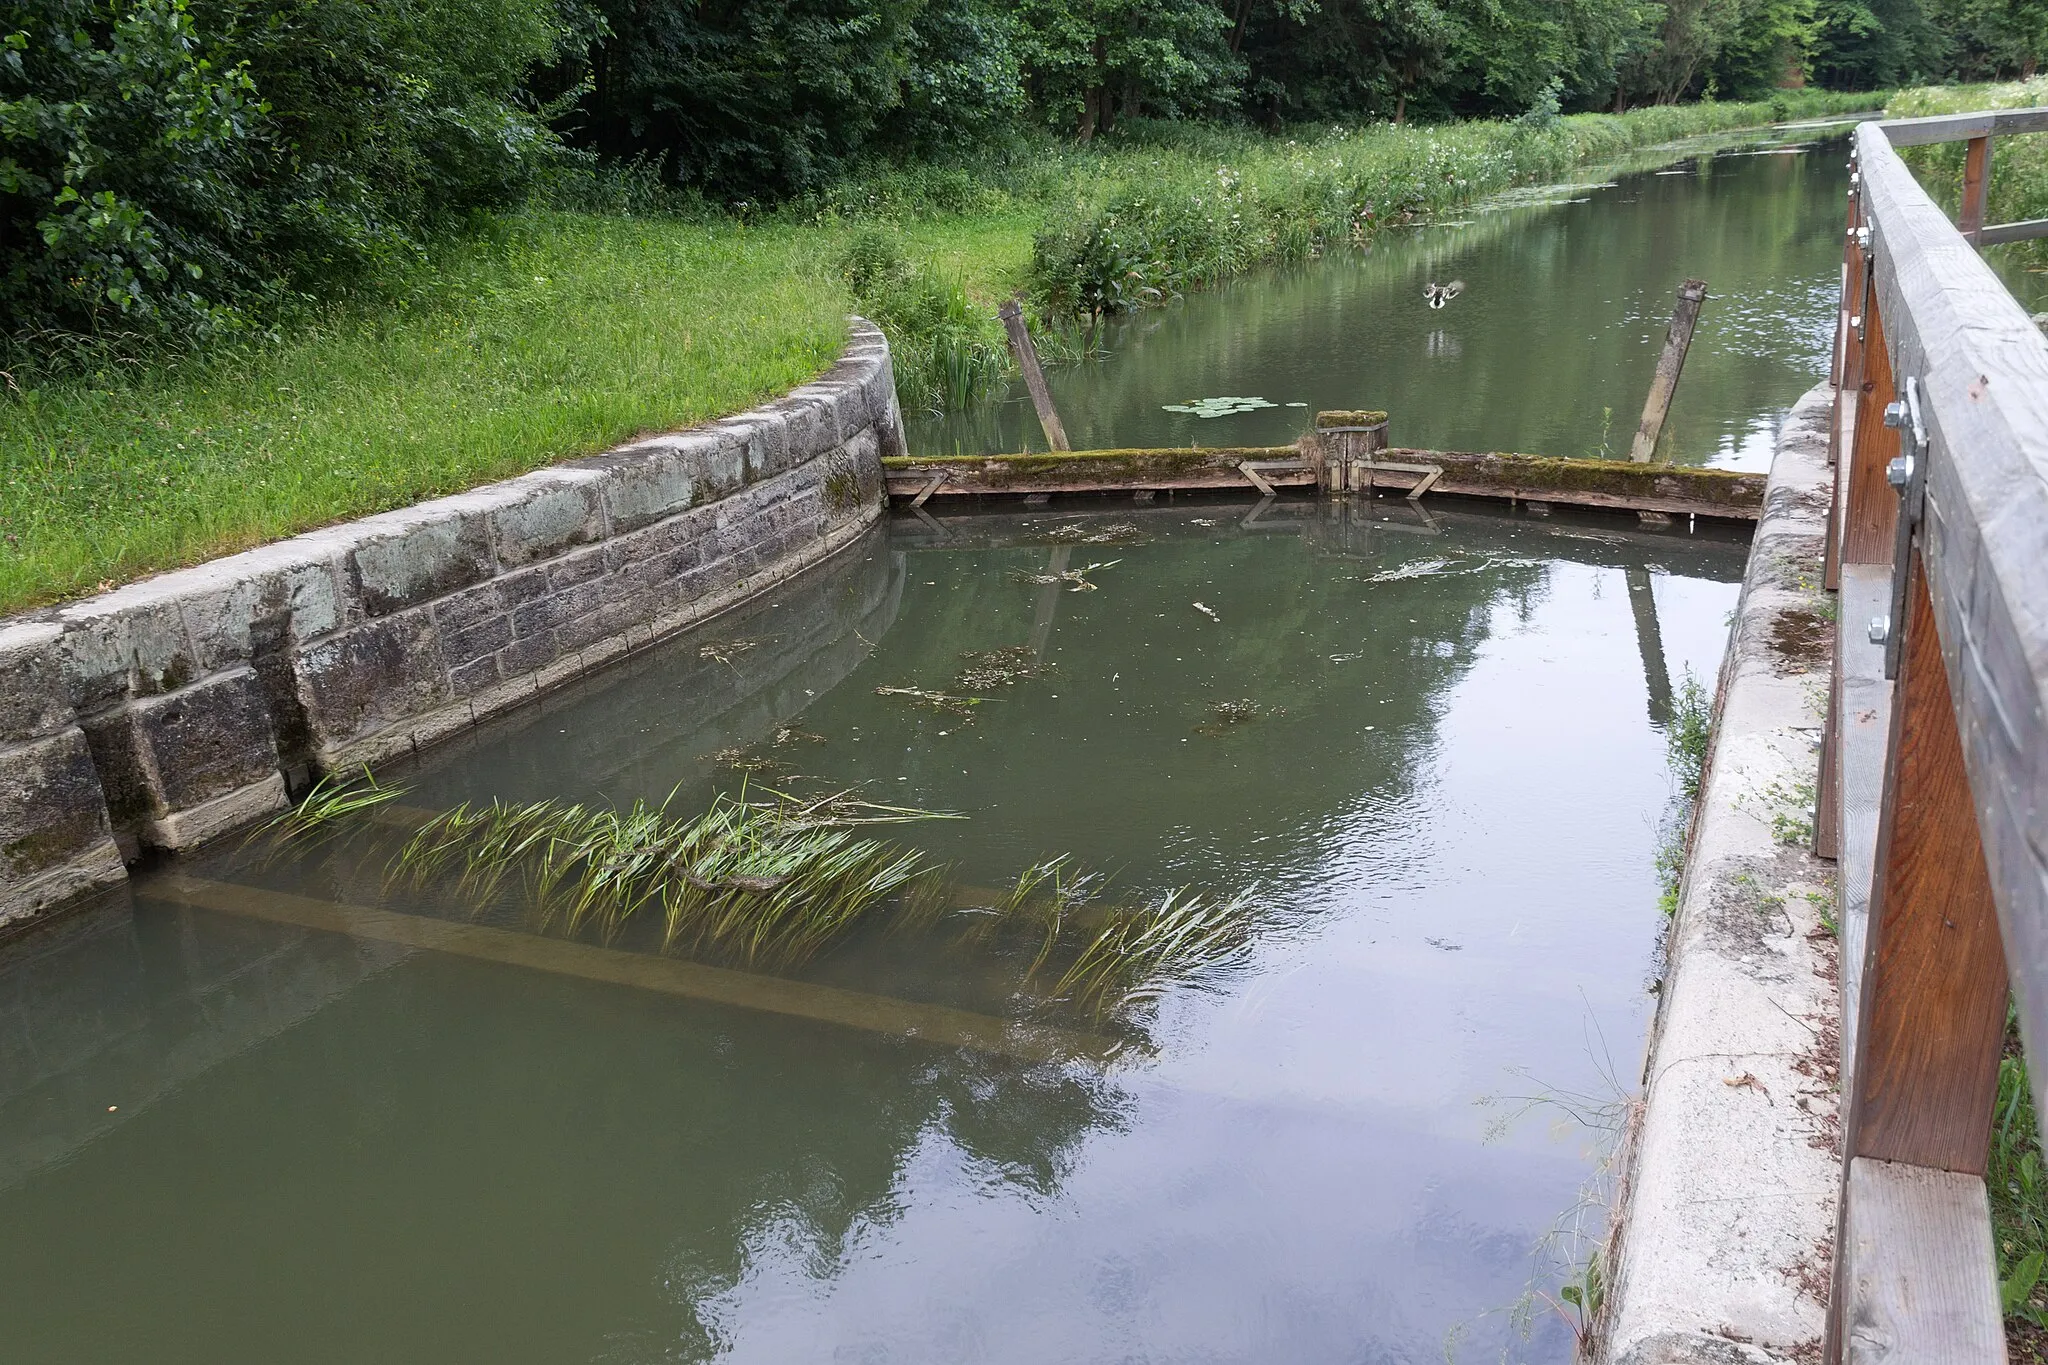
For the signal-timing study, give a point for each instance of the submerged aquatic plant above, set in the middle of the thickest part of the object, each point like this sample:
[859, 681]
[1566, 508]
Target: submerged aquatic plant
[769, 882]
[764, 882]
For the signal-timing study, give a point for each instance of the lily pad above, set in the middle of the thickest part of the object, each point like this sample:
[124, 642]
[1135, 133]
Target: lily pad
[1219, 407]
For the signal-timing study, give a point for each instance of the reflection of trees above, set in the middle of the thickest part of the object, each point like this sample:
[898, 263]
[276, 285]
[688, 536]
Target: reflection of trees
[449, 1130]
[1549, 332]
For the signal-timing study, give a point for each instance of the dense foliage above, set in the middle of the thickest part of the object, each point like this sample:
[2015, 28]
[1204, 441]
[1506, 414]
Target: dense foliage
[180, 167]
[165, 163]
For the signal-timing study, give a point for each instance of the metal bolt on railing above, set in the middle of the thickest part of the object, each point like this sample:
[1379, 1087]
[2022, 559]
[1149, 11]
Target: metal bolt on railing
[1895, 414]
[1880, 629]
[1899, 472]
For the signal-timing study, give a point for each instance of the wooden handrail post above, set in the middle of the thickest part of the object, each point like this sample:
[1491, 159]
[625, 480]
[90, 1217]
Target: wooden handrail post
[1034, 375]
[1976, 188]
[1664, 383]
[1933, 996]
[1934, 984]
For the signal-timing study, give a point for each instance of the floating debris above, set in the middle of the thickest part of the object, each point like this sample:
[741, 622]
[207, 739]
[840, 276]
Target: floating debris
[726, 651]
[1218, 407]
[1227, 715]
[790, 734]
[742, 759]
[1434, 568]
[962, 707]
[1209, 521]
[1445, 944]
[1076, 579]
[1297, 405]
[986, 668]
[1207, 611]
[1082, 533]
[1414, 568]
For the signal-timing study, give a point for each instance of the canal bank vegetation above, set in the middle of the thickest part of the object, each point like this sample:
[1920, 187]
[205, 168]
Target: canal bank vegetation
[269, 263]
[2019, 166]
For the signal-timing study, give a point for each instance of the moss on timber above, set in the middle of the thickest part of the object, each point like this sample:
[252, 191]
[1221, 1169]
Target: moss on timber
[1616, 478]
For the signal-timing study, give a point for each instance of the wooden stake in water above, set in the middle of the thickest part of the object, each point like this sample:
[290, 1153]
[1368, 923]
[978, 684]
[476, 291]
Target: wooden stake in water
[1034, 375]
[1664, 383]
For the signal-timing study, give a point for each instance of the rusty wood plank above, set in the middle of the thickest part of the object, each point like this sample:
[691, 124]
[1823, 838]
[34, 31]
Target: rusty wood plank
[1976, 185]
[1920, 1276]
[1871, 512]
[1931, 1004]
[936, 1024]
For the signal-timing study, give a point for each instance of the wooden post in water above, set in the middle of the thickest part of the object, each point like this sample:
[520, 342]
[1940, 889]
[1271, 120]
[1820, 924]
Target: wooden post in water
[1664, 383]
[1034, 374]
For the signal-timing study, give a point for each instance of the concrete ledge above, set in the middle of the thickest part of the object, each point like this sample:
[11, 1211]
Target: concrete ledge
[1724, 1236]
[168, 711]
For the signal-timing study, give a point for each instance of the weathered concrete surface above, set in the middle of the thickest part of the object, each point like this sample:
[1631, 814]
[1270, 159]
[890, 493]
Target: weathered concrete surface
[1723, 1239]
[166, 712]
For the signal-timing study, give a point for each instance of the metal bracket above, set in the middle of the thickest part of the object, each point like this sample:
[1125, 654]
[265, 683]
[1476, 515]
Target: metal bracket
[1907, 474]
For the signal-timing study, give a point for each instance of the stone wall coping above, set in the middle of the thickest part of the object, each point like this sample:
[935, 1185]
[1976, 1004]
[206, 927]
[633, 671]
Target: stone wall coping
[171, 710]
[1725, 1217]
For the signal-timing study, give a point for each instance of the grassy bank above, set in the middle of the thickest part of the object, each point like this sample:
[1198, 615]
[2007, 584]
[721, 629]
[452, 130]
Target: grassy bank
[2019, 174]
[554, 334]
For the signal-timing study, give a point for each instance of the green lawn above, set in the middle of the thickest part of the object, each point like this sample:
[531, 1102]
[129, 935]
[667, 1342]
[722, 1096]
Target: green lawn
[560, 336]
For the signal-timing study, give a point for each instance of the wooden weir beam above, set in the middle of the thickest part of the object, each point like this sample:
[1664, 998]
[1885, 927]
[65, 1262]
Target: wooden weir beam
[939, 1025]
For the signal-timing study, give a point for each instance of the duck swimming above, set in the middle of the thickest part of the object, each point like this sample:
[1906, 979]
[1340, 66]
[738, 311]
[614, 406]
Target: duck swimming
[1437, 295]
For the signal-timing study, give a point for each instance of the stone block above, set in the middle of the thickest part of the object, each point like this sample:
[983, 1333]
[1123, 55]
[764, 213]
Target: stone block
[650, 480]
[485, 638]
[402, 559]
[371, 677]
[528, 655]
[276, 594]
[129, 642]
[542, 514]
[55, 840]
[158, 756]
[33, 701]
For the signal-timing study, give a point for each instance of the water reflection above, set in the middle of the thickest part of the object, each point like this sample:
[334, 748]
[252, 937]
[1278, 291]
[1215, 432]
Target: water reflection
[1549, 349]
[327, 1150]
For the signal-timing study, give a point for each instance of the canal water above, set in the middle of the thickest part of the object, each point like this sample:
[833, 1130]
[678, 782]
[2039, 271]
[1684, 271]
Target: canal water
[1548, 351]
[1426, 747]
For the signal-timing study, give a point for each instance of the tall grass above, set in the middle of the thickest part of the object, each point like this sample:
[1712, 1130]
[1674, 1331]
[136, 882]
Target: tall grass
[2019, 165]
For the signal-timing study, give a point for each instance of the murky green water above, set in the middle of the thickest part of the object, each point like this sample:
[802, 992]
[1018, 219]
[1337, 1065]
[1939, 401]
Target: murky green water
[231, 1142]
[1549, 349]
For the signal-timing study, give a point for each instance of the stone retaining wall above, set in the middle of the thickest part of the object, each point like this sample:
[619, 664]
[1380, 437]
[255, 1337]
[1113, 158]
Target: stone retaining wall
[1724, 1234]
[166, 712]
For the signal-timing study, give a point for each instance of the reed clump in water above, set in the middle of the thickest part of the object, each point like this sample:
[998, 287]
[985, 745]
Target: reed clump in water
[769, 882]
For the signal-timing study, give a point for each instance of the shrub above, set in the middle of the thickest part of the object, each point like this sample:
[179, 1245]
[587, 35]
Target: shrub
[168, 166]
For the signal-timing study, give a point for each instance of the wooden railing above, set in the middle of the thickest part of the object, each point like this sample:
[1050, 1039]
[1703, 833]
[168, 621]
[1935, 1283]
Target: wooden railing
[1934, 776]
